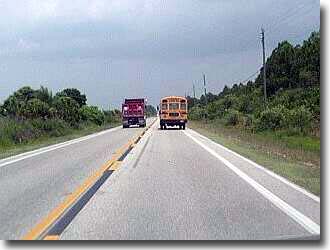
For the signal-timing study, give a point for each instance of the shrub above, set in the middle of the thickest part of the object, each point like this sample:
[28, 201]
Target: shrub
[216, 109]
[15, 103]
[248, 121]
[229, 101]
[17, 131]
[212, 110]
[25, 132]
[50, 125]
[92, 114]
[56, 127]
[111, 116]
[232, 117]
[301, 119]
[35, 108]
[150, 111]
[14, 131]
[293, 98]
[44, 94]
[67, 109]
[273, 118]
[28, 114]
[197, 113]
[2, 111]
[74, 94]
[245, 104]
[6, 135]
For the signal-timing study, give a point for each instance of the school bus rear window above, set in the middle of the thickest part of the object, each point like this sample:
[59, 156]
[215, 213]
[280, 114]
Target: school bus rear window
[164, 106]
[174, 106]
[183, 106]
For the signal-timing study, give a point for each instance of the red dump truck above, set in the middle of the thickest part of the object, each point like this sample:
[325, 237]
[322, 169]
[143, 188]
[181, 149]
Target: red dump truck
[133, 112]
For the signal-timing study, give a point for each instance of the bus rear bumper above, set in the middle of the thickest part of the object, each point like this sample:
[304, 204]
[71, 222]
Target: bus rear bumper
[177, 122]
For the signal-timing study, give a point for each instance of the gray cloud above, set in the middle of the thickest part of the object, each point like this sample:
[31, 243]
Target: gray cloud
[113, 49]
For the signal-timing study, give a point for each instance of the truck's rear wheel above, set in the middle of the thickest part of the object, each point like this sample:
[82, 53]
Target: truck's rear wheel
[184, 126]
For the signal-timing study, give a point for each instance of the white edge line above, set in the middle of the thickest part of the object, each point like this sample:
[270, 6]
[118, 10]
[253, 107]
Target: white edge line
[300, 218]
[19, 157]
[269, 172]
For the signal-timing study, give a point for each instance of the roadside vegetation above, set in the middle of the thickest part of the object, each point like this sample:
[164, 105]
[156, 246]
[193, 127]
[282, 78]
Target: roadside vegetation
[32, 118]
[150, 111]
[284, 133]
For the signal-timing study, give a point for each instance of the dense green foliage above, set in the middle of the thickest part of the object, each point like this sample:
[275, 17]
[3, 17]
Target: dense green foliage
[75, 95]
[150, 111]
[293, 89]
[29, 114]
[92, 114]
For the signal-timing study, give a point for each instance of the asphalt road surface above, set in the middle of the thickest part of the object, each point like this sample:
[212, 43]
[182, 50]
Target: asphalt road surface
[173, 185]
[33, 184]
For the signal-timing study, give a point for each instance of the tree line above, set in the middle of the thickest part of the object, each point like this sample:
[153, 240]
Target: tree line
[32, 113]
[293, 89]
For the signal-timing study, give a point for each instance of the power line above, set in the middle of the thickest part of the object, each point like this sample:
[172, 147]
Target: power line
[248, 78]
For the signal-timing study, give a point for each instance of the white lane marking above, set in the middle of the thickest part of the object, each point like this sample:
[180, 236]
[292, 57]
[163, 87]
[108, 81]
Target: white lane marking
[287, 182]
[19, 157]
[16, 158]
[300, 218]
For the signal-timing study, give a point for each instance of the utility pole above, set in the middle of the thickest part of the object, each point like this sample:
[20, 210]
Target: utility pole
[194, 91]
[205, 97]
[194, 95]
[205, 89]
[264, 63]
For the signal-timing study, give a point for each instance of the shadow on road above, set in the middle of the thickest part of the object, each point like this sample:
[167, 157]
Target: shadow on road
[306, 242]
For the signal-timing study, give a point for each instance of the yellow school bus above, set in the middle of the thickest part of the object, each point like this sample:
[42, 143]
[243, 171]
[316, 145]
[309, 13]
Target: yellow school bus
[173, 112]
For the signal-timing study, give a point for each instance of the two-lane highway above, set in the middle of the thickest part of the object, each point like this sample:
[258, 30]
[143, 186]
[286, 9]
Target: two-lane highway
[178, 185]
[32, 184]
[172, 184]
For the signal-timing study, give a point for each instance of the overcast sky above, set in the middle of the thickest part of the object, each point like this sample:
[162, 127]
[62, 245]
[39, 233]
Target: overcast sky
[129, 48]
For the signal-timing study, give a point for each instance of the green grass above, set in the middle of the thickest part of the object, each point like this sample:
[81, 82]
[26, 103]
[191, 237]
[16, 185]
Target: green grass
[43, 141]
[296, 158]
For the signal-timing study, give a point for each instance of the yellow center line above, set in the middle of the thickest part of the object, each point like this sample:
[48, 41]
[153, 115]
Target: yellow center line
[115, 166]
[60, 209]
[52, 237]
[112, 164]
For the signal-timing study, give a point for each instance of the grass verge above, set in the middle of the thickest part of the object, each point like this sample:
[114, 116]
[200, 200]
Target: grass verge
[296, 158]
[47, 140]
